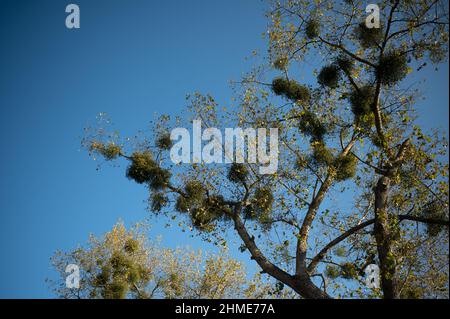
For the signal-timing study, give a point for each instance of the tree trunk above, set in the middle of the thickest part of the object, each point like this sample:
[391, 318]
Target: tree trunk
[301, 284]
[307, 289]
[384, 237]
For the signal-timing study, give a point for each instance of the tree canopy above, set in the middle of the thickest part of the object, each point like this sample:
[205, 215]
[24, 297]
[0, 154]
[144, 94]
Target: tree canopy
[360, 182]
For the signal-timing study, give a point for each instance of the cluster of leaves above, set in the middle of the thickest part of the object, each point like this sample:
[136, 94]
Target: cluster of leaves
[238, 173]
[281, 63]
[290, 89]
[368, 37]
[344, 166]
[144, 169]
[361, 100]
[346, 271]
[261, 205]
[329, 76]
[194, 194]
[345, 64]
[109, 151]
[435, 211]
[392, 68]
[204, 210]
[121, 271]
[321, 154]
[164, 142]
[158, 201]
[312, 29]
[349, 271]
[310, 125]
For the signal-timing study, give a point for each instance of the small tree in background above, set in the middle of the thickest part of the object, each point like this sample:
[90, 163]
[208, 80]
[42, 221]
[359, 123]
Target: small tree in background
[124, 264]
[359, 181]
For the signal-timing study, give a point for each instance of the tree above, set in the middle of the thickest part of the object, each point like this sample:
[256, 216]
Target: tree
[124, 264]
[359, 181]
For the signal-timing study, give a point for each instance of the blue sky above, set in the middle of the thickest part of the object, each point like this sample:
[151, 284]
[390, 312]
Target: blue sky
[130, 59]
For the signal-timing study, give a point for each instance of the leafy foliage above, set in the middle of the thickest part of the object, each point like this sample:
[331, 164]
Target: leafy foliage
[322, 154]
[348, 271]
[345, 167]
[109, 151]
[164, 142]
[281, 63]
[158, 201]
[261, 205]
[361, 100]
[238, 173]
[368, 37]
[435, 211]
[290, 89]
[392, 68]
[143, 169]
[345, 64]
[312, 29]
[310, 125]
[329, 76]
[123, 264]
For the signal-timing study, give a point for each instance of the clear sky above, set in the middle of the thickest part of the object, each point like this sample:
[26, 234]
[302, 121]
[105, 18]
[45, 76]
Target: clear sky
[130, 59]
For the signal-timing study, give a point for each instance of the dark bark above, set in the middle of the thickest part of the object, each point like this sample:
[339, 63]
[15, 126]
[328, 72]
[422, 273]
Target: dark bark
[301, 284]
[430, 221]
